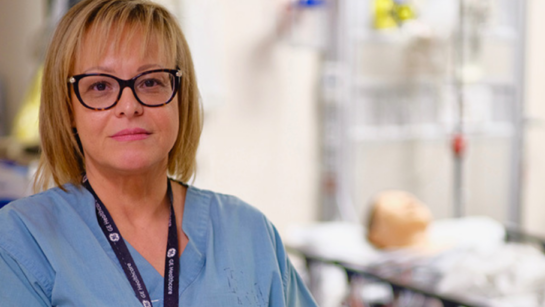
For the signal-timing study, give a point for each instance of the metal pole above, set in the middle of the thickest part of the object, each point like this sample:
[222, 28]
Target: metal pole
[515, 193]
[345, 203]
[458, 191]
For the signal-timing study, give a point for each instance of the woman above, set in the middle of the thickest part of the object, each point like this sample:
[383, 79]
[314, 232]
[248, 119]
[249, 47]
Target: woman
[119, 111]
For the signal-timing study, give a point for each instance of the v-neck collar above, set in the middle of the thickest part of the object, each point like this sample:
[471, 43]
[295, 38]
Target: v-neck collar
[194, 224]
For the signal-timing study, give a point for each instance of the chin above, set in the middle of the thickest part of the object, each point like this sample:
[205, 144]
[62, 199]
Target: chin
[135, 164]
[127, 162]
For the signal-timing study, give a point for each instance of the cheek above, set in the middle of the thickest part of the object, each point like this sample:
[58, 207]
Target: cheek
[88, 125]
[78, 120]
[173, 123]
[79, 116]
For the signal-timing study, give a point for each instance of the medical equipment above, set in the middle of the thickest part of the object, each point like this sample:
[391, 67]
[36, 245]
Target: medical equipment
[395, 100]
[513, 277]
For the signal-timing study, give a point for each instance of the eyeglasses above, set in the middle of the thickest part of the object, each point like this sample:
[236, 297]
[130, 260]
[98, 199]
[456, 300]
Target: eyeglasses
[153, 88]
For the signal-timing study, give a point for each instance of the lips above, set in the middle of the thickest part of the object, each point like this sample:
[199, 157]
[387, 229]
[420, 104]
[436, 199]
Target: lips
[133, 134]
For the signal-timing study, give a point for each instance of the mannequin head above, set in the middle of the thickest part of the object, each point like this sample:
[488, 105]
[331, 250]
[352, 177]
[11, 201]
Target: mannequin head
[398, 219]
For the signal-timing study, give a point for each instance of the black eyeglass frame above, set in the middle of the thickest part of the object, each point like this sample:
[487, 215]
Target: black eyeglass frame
[177, 73]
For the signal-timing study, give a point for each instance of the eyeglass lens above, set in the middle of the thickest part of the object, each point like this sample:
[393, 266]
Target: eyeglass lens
[101, 91]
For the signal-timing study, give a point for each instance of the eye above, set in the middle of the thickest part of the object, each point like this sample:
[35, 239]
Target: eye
[151, 83]
[99, 86]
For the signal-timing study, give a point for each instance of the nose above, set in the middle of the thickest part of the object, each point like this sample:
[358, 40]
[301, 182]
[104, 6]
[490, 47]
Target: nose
[128, 105]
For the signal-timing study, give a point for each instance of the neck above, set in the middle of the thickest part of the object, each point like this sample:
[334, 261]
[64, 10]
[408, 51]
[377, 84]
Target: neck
[132, 198]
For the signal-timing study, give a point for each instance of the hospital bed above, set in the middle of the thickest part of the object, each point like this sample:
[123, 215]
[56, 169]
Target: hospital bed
[344, 246]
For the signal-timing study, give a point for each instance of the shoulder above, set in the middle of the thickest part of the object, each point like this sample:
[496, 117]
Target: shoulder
[30, 224]
[228, 214]
[224, 206]
[244, 240]
[35, 209]
[41, 215]
[29, 228]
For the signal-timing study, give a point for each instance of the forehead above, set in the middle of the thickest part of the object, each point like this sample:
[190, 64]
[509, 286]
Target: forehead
[100, 44]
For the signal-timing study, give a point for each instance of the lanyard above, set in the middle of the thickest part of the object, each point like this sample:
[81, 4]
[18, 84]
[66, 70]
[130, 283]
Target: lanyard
[172, 262]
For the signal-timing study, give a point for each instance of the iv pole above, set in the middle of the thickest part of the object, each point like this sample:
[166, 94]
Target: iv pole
[458, 141]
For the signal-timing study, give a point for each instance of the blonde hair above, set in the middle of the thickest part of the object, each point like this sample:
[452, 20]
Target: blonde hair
[62, 159]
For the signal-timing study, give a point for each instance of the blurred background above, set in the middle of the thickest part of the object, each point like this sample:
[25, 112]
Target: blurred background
[313, 106]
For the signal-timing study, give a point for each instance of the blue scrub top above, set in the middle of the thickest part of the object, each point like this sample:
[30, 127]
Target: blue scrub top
[53, 253]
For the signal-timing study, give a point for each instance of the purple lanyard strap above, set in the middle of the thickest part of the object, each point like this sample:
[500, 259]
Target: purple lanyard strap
[172, 262]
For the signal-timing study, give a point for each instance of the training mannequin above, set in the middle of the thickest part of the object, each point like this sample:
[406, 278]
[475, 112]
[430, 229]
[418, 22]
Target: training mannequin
[397, 220]
[487, 268]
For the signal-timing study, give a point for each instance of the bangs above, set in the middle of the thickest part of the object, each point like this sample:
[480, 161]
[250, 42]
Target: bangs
[112, 27]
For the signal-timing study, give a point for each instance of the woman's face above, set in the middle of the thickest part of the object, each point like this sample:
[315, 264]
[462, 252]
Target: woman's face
[129, 138]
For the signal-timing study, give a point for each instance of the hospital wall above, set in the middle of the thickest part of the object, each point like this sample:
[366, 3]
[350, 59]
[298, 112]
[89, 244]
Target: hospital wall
[20, 25]
[260, 139]
[534, 162]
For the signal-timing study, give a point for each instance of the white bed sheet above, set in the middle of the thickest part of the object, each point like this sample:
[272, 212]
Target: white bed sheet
[347, 242]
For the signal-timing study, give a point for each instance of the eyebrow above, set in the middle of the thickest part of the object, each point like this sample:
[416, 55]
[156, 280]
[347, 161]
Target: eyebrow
[109, 70]
[106, 69]
[148, 66]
